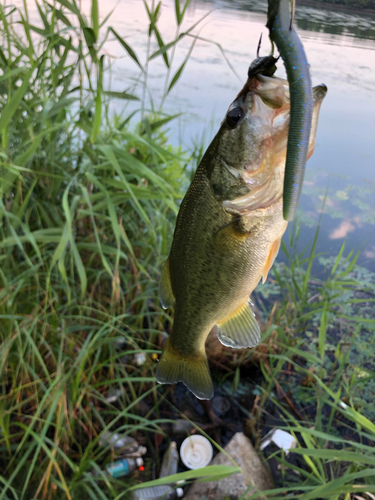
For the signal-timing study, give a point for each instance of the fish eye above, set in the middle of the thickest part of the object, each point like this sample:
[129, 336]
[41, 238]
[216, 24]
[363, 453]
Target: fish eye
[234, 116]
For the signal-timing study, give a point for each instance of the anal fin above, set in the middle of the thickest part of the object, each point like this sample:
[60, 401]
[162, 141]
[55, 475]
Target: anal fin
[165, 287]
[240, 329]
[274, 250]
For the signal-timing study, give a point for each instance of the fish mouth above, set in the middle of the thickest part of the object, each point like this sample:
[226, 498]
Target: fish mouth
[266, 101]
[273, 91]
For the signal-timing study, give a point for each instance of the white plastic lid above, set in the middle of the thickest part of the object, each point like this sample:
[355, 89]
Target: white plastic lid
[179, 492]
[282, 439]
[139, 461]
[196, 452]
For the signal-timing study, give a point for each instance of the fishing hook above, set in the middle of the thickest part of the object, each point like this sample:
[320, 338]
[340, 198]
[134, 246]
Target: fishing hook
[293, 8]
[259, 44]
[272, 48]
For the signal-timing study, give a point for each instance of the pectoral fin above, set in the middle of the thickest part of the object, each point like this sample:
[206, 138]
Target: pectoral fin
[165, 287]
[271, 258]
[240, 329]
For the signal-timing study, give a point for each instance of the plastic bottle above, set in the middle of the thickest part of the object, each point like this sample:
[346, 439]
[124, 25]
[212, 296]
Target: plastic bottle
[139, 359]
[181, 426]
[128, 445]
[220, 405]
[169, 464]
[162, 492]
[124, 467]
[113, 396]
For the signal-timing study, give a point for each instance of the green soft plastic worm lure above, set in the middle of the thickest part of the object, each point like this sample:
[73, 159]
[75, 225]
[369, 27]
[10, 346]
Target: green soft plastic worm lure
[282, 33]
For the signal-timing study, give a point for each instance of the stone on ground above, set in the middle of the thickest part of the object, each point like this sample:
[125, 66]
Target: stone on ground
[232, 487]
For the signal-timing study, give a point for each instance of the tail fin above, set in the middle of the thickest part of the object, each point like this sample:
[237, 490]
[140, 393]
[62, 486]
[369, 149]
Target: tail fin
[193, 371]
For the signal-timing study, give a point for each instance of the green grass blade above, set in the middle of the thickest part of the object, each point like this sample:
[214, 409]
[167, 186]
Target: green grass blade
[13, 103]
[208, 472]
[127, 47]
[336, 455]
[323, 330]
[121, 95]
[177, 11]
[178, 73]
[98, 103]
[95, 17]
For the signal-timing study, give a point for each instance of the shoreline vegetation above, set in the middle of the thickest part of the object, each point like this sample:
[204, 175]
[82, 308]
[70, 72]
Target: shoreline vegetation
[357, 5]
[88, 203]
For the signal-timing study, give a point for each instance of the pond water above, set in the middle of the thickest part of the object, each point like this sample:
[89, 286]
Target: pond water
[341, 50]
[340, 47]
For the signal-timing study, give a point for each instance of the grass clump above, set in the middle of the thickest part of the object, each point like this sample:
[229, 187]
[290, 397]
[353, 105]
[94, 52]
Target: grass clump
[87, 206]
[86, 211]
[316, 381]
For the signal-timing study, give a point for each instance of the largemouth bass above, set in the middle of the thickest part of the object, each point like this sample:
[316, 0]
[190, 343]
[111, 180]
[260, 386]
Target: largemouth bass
[229, 229]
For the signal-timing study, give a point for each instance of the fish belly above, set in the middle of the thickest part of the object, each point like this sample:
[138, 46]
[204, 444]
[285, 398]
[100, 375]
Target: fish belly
[216, 263]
